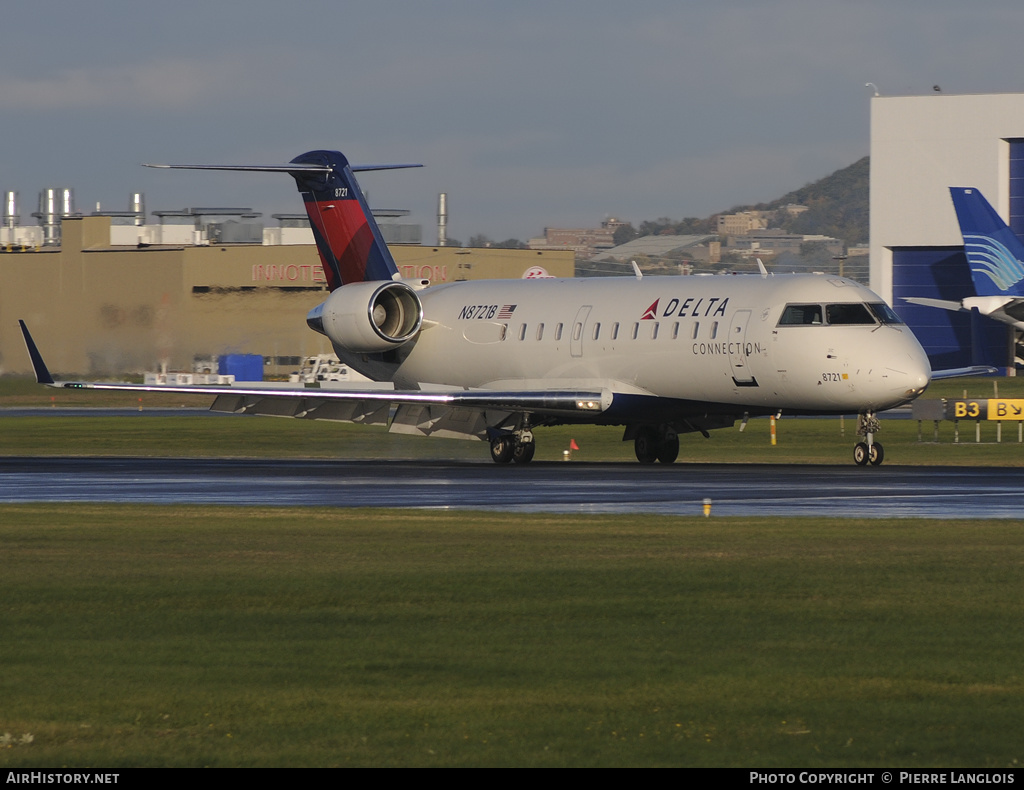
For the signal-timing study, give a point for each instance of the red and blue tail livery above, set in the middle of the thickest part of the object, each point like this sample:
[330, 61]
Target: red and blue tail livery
[352, 249]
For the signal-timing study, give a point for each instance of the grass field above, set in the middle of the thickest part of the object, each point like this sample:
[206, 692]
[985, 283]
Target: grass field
[152, 635]
[800, 441]
[816, 441]
[137, 635]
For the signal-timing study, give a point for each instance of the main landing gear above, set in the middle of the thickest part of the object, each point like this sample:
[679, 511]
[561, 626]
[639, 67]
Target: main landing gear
[518, 447]
[656, 444]
[868, 451]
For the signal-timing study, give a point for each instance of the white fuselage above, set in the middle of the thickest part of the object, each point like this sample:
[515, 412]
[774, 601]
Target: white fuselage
[707, 340]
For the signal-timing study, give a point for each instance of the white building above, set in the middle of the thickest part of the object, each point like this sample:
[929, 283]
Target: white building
[920, 147]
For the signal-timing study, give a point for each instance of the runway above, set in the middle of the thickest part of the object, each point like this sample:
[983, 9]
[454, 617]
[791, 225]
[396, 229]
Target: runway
[573, 487]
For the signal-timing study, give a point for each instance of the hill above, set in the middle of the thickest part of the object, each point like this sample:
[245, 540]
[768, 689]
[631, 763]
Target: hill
[837, 205]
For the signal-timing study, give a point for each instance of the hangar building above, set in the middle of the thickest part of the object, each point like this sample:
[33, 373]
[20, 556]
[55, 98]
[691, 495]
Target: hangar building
[920, 147]
[100, 306]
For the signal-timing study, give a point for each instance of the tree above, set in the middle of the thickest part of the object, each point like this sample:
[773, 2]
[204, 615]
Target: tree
[625, 233]
[480, 240]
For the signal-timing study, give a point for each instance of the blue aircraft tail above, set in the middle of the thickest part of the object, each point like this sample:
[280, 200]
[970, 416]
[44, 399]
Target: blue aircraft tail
[352, 249]
[994, 253]
[351, 246]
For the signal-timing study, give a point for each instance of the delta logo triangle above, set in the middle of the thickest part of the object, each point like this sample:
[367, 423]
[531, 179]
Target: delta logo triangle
[651, 313]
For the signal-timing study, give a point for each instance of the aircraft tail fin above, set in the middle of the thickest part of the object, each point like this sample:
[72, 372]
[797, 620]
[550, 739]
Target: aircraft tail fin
[348, 239]
[994, 253]
[350, 243]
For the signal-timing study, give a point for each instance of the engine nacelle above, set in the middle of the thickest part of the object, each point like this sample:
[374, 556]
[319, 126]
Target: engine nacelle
[369, 317]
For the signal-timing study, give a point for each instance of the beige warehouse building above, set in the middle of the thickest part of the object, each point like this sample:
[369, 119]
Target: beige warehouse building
[97, 309]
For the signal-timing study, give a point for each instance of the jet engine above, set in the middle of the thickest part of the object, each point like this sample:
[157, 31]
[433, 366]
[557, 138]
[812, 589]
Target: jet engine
[369, 317]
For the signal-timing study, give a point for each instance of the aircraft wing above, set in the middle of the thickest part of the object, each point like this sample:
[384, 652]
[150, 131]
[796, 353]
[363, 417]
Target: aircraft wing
[1005, 309]
[957, 373]
[457, 414]
[450, 412]
[940, 303]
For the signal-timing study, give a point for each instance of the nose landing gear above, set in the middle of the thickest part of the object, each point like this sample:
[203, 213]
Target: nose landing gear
[868, 451]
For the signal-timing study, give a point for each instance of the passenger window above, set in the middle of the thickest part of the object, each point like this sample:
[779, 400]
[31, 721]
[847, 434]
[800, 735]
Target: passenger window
[636, 330]
[714, 330]
[558, 332]
[654, 331]
[615, 331]
[540, 331]
[675, 330]
[696, 329]
[856, 313]
[597, 330]
[801, 315]
[577, 331]
[522, 331]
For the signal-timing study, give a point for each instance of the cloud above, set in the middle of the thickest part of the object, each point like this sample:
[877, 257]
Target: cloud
[172, 84]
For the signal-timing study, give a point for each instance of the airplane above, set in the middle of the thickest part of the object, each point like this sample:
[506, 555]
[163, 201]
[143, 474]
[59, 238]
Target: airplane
[494, 360]
[996, 258]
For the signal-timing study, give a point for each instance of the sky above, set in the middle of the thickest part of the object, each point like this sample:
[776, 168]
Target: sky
[529, 114]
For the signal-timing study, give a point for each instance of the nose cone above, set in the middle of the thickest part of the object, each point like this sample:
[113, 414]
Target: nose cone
[908, 373]
[924, 375]
[919, 376]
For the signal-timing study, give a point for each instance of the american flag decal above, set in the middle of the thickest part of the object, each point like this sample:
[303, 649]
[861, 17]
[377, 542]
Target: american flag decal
[506, 311]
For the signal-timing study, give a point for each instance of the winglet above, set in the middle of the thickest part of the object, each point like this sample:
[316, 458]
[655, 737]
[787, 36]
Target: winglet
[38, 366]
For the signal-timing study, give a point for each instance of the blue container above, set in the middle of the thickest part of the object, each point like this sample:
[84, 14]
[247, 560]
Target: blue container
[244, 367]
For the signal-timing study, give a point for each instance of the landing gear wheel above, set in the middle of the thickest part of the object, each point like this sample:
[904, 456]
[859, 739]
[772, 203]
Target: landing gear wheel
[869, 452]
[668, 451]
[523, 452]
[646, 445]
[502, 449]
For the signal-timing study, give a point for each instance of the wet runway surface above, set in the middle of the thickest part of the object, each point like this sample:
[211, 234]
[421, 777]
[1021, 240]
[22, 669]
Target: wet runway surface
[574, 487]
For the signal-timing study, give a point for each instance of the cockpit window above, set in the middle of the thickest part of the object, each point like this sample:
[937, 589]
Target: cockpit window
[801, 314]
[855, 313]
[884, 313]
[839, 314]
